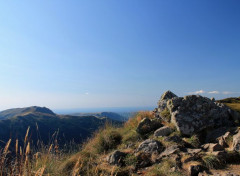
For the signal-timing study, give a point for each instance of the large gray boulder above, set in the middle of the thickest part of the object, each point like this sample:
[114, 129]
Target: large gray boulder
[194, 113]
[150, 146]
[236, 142]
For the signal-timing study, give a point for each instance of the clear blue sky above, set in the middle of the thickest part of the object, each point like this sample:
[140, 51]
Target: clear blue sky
[79, 54]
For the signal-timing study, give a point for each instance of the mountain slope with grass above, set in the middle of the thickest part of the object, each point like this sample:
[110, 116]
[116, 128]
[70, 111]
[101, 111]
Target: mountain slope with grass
[44, 123]
[10, 113]
[163, 143]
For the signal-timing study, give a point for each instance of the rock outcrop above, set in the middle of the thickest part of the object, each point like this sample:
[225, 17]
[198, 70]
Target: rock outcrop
[193, 134]
[162, 103]
[194, 113]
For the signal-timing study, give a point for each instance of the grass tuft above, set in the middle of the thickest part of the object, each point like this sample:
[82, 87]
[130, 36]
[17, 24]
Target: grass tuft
[212, 161]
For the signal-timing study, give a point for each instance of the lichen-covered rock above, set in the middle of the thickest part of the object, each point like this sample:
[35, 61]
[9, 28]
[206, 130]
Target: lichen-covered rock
[163, 131]
[147, 125]
[167, 95]
[236, 142]
[194, 113]
[150, 146]
[116, 158]
[162, 103]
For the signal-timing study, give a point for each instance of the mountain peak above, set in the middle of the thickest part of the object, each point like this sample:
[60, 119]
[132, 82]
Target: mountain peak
[22, 111]
[37, 109]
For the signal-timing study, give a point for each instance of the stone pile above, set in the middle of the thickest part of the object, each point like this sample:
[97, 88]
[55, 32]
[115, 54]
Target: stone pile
[195, 126]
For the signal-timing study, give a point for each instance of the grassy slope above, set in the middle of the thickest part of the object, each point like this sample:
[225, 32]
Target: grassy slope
[44, 125]
[233, 103]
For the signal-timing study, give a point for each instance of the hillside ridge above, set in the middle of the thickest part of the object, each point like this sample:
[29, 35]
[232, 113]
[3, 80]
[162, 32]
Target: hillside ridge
[9, 113]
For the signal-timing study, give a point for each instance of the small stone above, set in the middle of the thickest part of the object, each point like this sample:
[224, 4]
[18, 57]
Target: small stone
[163, 131]
[150, 146]
[116, 158]
[170, 150]
[193, 151]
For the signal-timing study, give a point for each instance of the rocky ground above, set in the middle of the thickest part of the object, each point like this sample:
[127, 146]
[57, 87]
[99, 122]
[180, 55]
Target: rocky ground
[191, 135]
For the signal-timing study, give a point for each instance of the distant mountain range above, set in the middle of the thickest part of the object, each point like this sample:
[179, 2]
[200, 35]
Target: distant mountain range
[123, 116]
[44, 123]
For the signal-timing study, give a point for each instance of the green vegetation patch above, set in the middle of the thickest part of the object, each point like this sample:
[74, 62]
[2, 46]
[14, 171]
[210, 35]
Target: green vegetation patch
[212, 161]
[107, 140]
[130, 160]
[193, 141]
[233, 103]
[165, 168]
[165, 114]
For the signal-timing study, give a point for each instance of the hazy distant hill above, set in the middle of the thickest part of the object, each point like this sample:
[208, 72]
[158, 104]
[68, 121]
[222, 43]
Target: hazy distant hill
[111, 115]
[9, 113]
[43, 123]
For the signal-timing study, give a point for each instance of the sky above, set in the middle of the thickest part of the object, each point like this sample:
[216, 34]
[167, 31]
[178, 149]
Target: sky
[92, 54]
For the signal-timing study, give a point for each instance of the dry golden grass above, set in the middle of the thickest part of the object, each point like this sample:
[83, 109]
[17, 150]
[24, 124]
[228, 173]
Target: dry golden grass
[234, 106]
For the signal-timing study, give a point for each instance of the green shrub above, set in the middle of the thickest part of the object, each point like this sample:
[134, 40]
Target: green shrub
[130, 160]
[165, 114]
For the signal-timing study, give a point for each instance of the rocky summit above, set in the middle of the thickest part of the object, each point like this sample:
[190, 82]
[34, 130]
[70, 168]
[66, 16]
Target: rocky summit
[194, 132]
[193, 113]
